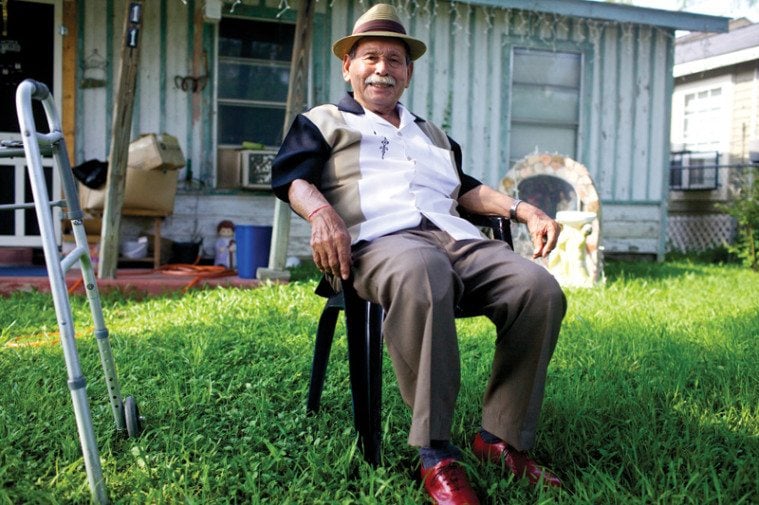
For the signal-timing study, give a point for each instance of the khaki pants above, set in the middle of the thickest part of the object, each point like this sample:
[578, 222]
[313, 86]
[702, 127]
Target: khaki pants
[419, 276]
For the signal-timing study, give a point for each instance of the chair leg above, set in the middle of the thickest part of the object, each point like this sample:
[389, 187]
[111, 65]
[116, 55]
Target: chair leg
[364, 334]
[325, 333]
[373, 449]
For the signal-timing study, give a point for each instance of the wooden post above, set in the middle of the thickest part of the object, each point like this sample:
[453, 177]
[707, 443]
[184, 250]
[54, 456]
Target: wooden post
[68, 77]
[120, 131]
[296, 102]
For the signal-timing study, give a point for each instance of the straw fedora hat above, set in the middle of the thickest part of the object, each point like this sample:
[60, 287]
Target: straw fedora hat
[379, 21]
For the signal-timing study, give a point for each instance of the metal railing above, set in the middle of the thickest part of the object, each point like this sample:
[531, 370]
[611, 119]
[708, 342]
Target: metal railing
[699, 171]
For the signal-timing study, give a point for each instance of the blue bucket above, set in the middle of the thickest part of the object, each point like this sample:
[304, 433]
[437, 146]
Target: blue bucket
[252, 248]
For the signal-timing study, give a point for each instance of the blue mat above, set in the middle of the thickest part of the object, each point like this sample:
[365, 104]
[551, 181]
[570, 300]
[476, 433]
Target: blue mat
[23, 271]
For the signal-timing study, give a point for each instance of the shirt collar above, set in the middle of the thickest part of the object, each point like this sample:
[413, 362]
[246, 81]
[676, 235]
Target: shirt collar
[350, 105]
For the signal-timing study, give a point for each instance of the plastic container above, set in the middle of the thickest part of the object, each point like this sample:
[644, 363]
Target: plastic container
[134, 249]
[252, 248]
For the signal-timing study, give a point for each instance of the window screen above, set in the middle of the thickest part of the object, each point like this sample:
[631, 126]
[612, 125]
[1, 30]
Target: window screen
[545, 102]
[254, 70]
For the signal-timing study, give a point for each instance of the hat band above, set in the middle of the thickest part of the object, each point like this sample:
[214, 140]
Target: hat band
[380, 25]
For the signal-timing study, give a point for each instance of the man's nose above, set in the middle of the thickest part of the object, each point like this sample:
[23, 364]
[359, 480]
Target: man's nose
[381, 66]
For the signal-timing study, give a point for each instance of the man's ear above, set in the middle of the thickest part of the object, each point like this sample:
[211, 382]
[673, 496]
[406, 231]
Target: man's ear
[410, 71]
[346, 68]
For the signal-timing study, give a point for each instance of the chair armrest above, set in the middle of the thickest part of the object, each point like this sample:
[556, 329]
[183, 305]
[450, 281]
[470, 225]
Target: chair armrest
[500, 225]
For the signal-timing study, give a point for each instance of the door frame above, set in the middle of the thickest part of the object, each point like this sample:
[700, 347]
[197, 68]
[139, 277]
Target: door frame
[19, 238]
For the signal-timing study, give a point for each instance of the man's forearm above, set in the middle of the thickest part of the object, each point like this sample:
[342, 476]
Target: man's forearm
[485, 200]
[305, 199]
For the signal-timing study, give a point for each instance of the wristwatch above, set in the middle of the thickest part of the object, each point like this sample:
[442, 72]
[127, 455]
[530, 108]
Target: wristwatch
[513, 209]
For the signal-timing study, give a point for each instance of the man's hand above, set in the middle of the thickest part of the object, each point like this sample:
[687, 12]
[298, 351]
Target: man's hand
[544, 233]
[330, 242]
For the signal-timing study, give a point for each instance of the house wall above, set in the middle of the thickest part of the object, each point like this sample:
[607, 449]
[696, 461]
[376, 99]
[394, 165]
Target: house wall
[745, 124]
[740, 83]
[462, 84]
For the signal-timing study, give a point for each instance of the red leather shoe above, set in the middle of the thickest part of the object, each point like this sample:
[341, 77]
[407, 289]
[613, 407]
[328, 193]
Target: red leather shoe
[518, 462]
[447, 484]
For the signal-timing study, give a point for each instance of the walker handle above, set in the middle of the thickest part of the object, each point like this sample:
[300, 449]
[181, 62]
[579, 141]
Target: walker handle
[41, 91]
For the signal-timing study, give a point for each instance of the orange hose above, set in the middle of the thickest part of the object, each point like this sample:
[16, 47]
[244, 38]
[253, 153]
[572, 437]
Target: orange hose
[199, 271]
[75, 285]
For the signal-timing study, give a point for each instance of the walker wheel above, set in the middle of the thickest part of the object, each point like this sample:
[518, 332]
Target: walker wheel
[132, 417]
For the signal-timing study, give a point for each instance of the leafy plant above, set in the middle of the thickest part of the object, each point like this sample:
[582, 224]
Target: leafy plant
[744, 207]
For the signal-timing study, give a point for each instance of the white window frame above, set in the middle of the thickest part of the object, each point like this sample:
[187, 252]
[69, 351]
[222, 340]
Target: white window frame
[580, 93]
[722, 128]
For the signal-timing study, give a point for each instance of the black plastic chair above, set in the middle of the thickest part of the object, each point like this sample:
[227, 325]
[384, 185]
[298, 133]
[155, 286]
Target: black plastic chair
[363, 322]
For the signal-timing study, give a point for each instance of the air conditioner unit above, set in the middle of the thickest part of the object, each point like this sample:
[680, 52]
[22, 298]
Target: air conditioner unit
[753, 151]
[256, 168]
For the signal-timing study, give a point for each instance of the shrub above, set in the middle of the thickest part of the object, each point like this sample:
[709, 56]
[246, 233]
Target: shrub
[744, 207]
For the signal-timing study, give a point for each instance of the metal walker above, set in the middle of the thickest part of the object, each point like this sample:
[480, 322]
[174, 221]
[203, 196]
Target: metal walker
[125, 413]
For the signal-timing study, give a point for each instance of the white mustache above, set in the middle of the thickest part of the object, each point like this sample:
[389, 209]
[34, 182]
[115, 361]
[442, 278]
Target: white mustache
[378, 79]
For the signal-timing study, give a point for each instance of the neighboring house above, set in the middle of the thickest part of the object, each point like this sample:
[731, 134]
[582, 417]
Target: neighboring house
[588, 80]
[715, 119]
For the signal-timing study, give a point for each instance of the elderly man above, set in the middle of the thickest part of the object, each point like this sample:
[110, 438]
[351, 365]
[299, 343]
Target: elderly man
[380, 188]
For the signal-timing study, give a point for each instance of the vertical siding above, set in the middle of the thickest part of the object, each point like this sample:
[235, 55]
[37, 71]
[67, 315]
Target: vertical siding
[745, 114]
[462, 83]
[641, 141]
[92, 102]
[624, 125]
[147, 119]
[661, 107]
[167, 40]
[176, 63]
[608, 123]
[593, 74]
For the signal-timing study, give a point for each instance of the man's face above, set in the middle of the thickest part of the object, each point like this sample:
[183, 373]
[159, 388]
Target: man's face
[378, 72]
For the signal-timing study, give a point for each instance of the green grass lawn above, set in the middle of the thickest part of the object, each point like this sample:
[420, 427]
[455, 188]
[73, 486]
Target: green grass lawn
[652, 398]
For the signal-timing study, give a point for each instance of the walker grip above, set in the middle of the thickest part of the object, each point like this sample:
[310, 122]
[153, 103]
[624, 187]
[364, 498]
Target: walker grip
[40, 92]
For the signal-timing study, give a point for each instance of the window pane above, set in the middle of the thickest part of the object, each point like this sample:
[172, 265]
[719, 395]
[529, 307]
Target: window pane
[263, 40]
[256, 124]
[253, 81]
[253, 76]
[526, 139]
[7, 197]
[544, 103]
[705, 115]
[545, 67]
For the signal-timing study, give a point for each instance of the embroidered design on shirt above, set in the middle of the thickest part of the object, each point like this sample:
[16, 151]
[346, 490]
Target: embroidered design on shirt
[383, 146]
